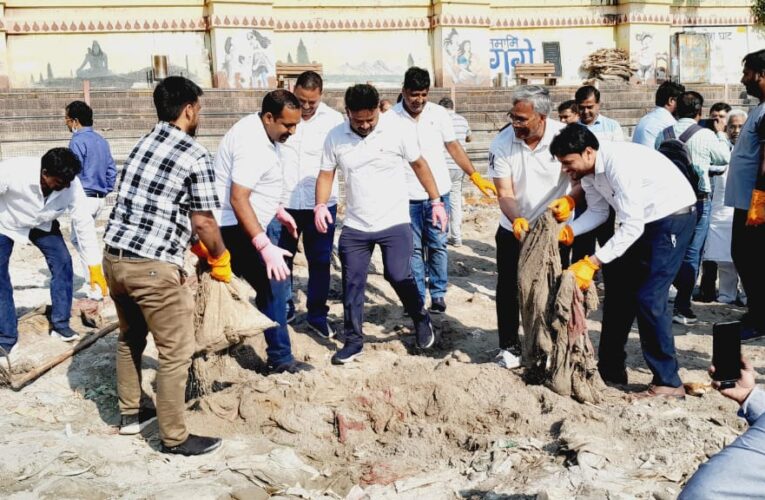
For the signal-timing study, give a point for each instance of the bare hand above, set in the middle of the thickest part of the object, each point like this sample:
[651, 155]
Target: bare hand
[744, 385]
[719, 124]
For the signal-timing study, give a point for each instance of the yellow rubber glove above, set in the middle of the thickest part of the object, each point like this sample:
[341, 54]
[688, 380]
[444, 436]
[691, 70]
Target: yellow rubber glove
[486, 187]
[562, 208]
[520, 228]
[566, 236]
[756, 214]
[221, 267]
[584, 270]
[97, 278]
[200, 250]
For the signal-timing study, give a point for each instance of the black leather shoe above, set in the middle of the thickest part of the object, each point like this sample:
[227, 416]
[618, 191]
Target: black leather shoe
[194, 445]
[294, 366]
[437, 306]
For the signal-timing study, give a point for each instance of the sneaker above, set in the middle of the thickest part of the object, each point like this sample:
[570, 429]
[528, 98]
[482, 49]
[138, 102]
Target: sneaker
[424, 333]
[321, 327]
[290, 312]
[455, 242]
[133, 424]
[684, 317]
[437, 305]
[508, 358]
[348, 353]
[194, 445]
[65, 334]
[293, 366]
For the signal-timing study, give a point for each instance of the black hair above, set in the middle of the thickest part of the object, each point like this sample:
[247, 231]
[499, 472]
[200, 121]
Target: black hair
[61, 163]
[446, 102]
[310, 80]
[361, 96]
[720, 106]
[275, 101]
[172, 95]
[80, 111]
[399, 97]
[570, 104]
[755, 61]
[689, 105]
[574, 138]
[584, 93]
[416, 79]
[668, 90]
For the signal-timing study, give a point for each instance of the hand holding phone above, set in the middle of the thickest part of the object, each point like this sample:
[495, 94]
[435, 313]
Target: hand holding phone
[726, 353]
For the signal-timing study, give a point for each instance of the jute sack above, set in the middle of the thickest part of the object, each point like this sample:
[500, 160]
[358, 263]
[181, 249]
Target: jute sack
[225, 313]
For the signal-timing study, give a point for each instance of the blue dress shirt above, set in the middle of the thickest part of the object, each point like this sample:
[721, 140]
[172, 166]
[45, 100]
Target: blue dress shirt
[98, 169]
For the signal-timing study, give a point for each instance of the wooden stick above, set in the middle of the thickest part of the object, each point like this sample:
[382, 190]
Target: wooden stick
[19, 383]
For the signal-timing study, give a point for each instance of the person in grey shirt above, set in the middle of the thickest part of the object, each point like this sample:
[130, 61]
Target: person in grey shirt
[464, 135]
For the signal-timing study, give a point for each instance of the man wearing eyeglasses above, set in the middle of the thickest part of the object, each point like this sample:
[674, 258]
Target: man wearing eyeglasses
[528, 179]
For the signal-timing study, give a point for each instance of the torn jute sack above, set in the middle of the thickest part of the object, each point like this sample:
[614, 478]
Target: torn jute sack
[556, 346]
[224, 313]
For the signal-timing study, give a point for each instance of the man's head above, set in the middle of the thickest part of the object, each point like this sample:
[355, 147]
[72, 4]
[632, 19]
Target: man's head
[719, 111]
[308, 89]
[280, 113]
[667, 95]
[447, 103]
[736, 120]
[588, 100]
[385, 105]
[177, 101]
[58, 168]
[576, 149]
[690, 105]
[78, 114]
[531, 106]
[753, 77]
[362, 106]
[415, 90]
[568, 112]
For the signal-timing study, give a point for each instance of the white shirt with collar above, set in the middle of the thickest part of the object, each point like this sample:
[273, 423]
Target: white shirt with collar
[246, 156]
[640, 183]
[301, 159]
[434, 128]
[23, 206]
[374, 171]
[606, 129]
[536, 174]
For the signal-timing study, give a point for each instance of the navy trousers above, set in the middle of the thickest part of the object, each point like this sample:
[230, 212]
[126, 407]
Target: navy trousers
[53, 247]
[641, 278]
[356, 249]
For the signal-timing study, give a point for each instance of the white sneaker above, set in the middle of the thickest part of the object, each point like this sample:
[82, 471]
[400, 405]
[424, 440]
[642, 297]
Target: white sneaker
[507, 359]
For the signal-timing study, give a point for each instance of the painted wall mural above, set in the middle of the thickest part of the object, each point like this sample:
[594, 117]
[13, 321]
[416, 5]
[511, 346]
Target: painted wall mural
[106, 60]
[248, 60]
[652, 58]
[463, 65]
[508, 51]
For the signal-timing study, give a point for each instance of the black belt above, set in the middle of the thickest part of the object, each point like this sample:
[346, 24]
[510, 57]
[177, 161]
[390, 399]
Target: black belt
[119, 252]
[94, 194]
[702, 196]
[685, 210]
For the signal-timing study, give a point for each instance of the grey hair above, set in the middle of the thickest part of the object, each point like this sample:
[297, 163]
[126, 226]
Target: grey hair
[538, 96]
[737, 112]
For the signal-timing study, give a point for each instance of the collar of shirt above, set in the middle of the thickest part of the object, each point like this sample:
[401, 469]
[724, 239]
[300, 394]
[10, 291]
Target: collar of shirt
[321, 110]
[262, 135]
[351, 132]
[687, 122]
[549, 135]
[600, 163]
[82, 130]
[661, 110]
[401, 110]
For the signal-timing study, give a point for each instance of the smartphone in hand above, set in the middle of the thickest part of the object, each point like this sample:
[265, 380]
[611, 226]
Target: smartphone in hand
[726, 353]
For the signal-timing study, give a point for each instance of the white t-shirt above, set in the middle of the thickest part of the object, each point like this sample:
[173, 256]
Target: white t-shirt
[301, 159]
[247, 157]
[434, 128]
[373, 168]
[536, 174]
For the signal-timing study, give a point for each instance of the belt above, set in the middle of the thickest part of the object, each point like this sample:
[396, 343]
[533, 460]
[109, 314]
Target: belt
[685, 210]
[94, 194]
[122, 254]
[702, 196]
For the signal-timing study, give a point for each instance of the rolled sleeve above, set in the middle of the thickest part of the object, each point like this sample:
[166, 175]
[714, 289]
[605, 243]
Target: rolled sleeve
[754, 406]
[202, 186]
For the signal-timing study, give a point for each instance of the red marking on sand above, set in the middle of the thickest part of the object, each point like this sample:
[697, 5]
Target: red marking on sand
[344, 425]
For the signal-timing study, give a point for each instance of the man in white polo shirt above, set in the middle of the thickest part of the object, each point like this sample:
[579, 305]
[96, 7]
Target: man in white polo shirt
[435, 131]
[528, 179]
[655, 206]
[248, 178]
[301, 158]
[373, 153]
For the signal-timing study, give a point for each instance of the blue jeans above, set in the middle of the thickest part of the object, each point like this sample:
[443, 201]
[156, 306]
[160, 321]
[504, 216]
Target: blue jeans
[641, 278]
[318, 253]
[430, 247]
[271, 294]
[689, 269]
[52, 245]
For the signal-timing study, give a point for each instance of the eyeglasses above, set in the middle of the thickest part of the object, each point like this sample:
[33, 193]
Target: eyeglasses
[517, 119]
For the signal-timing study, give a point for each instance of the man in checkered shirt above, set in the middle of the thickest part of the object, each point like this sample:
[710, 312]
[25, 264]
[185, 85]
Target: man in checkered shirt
[166, 194]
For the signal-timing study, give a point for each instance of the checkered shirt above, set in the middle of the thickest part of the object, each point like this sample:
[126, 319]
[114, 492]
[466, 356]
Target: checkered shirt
[167, 176]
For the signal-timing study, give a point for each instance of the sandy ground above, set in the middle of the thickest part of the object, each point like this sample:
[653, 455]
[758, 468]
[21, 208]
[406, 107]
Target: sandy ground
[395, 424]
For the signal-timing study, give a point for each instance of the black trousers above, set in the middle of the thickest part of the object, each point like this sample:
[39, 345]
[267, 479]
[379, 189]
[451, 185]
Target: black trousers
[747, 247]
